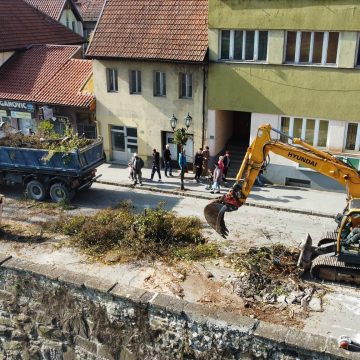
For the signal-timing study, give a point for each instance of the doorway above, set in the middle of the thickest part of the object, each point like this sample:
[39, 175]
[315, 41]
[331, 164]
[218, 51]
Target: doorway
[241, 128]
[123, 143]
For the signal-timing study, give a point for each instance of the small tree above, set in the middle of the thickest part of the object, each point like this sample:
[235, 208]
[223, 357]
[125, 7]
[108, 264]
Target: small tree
[181, 137]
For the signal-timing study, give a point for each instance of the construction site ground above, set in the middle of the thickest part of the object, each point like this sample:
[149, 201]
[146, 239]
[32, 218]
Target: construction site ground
[207, 282]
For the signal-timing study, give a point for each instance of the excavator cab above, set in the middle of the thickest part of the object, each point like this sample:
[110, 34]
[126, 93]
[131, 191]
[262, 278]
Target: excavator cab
[337, 256]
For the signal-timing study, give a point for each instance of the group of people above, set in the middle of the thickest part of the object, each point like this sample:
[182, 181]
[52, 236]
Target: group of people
[201, 167]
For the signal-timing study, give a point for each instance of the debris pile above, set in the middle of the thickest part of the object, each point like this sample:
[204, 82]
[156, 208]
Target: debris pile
[122, 234]
[269, 275]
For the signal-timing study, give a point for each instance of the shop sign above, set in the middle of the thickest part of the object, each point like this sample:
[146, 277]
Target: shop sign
[17, 105]
[21, 115]
[3, 113]
[48, 112]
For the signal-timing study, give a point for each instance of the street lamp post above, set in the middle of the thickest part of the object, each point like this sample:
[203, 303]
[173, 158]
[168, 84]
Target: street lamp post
[180, 138]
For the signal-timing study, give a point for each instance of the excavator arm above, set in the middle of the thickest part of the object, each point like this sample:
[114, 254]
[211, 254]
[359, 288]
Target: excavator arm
[298, 151]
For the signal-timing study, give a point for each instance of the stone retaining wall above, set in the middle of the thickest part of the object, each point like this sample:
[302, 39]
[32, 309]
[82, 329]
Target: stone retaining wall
[47, 313]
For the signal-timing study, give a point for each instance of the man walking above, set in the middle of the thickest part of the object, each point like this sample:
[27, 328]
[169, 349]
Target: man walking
[206, 158]
[167, 160]
[182, 165]
[198, 165]
[137, 165]
[155, 164]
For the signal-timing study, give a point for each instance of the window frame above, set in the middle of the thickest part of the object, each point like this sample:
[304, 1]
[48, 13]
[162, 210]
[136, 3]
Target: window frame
[324, 50]
[303, 129]
[243, 52]
[357, 139]
[357, 54]
[187, 86]
[138, 87]
[112, 72]
[162, 84]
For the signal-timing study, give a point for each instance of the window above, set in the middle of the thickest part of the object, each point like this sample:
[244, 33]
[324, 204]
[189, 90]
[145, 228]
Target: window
[312, 131]
[185, 82]
[73, 26]
[352, 142]
[311, 47]
[358, 53]
[244, 45]
[159, 83]
[89, 130]
[135, 82]
[111, 80]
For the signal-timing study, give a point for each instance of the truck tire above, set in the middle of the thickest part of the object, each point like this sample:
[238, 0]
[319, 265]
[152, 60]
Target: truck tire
[35, 190]
[60, 192]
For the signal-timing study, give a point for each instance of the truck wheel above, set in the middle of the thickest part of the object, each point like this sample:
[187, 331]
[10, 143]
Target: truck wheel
[60, 192]
[36, 190]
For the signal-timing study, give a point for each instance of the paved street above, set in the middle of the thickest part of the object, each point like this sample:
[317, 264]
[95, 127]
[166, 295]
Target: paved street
[286, 198]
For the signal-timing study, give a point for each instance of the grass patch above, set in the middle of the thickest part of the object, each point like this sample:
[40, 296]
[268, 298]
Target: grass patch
[151, 234]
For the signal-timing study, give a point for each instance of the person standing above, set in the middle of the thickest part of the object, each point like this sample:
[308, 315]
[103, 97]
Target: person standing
[206, 159]
[226, 162]
[217, 175]
[198, 165]
[137, 165]
[221, 165]
[155, 164]
[182, 165]
[167, 160]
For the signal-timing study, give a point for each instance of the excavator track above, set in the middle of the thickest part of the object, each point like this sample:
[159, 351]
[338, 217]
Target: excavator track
[328, 268]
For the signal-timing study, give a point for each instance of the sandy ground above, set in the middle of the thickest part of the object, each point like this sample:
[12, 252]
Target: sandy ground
[248, 227]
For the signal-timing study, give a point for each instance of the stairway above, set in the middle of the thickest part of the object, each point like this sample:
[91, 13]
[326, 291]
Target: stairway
[237, 153]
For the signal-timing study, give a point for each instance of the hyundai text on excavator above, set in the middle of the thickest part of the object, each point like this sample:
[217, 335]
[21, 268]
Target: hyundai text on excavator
[337, 256]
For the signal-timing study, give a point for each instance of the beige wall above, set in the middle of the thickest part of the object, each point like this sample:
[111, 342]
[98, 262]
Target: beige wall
[148, 113]
[4, 56]
[67, 17]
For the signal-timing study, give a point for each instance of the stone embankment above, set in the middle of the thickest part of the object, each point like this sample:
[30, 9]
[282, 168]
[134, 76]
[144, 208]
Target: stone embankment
[48, 313]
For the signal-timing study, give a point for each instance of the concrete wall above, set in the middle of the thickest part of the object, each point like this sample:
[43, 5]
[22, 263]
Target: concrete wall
[46, 313]
[320, 15]
[326, 93]
[5, 56]
[148, 113]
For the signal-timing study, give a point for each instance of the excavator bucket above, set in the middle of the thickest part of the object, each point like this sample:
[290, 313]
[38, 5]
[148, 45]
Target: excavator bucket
[214, 215]
[306, 254]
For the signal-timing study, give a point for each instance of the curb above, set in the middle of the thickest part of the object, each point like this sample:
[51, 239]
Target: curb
[205, 197]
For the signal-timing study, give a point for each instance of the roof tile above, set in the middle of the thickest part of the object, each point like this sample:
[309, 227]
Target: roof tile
[53, 8]
[90, 9]
[152, 29]
[46, 74]
[23, 25]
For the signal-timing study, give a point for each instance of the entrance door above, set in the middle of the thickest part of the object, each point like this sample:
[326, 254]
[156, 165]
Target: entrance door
[189, 150]
[173, 147]
[124, 143]
[118, 144]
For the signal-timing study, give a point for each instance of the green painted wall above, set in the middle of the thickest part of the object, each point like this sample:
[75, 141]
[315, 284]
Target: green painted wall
[327, 93]
[285, 14]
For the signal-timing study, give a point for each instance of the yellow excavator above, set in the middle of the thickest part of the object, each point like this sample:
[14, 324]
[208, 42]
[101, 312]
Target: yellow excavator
[337, 256]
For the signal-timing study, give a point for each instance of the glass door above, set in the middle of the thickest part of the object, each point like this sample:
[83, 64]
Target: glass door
[131, 142]
[118, 144]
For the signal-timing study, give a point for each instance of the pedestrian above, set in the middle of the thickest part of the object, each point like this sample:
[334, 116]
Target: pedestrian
[130, 168]
[137, 165]
[198, 162]
[259, 181]
[182, 165]
[217, 175]
[226, 162]
[155, 164]
[221, 165]
[206, 158]
[167, 160]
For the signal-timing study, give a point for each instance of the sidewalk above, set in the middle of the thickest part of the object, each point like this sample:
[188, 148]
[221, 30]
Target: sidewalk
[299, 200]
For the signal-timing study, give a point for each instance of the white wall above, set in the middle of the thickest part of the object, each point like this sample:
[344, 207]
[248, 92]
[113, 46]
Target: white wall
[4, 56]
[336, 135]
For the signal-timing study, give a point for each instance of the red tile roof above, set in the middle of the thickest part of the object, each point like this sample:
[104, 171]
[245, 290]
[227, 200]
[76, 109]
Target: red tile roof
[152, 29]
[90, 9]
[46, 74]
[23, 25]
[53, 8]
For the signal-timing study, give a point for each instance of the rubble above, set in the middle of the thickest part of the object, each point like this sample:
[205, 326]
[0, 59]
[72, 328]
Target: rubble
[269, 277]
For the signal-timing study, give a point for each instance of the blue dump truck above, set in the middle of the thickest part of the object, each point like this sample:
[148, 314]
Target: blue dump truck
[56, 174]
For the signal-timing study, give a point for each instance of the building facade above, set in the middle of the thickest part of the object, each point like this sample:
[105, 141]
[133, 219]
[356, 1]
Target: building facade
[293, 64]
[144, 77]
